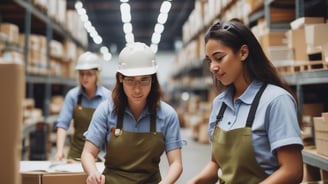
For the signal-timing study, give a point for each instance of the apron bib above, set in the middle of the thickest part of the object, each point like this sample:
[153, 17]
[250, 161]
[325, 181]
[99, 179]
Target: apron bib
[233, 150]
[134, 157]
[82, 117]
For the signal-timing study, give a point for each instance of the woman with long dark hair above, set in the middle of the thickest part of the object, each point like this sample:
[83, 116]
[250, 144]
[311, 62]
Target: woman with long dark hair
[253, 127]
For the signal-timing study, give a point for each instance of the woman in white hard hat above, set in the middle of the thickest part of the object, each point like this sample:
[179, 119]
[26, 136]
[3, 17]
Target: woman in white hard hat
[79, 105]
[136, 126]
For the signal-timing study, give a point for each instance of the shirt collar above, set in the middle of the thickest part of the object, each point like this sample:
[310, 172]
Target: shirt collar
[247, 97]
[98, 92]
[250, 93]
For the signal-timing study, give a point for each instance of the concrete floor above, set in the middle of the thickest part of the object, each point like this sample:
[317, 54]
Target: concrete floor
[194, 157]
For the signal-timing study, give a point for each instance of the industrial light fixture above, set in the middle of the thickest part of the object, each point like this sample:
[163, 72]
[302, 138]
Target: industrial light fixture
[126, 20]
[159, 26]
[92, 30]
[87, 24]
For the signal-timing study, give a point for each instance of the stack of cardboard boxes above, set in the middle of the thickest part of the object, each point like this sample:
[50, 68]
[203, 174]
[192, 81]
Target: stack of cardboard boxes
[12, 79]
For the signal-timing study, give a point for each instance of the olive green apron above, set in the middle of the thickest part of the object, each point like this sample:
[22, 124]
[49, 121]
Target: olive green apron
[134, 157]
[82, 117]
[233, 150]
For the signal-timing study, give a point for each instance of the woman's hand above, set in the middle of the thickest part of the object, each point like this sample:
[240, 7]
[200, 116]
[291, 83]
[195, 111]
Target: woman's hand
[96, 179]
[59, 156]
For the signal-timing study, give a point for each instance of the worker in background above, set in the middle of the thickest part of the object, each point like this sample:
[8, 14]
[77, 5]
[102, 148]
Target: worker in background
[136, 125]
[79, 105]
[253, 127]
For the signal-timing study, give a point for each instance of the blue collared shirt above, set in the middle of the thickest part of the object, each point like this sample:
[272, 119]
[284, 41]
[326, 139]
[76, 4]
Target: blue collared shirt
[66, 114]
[104, 119]
[275, 124]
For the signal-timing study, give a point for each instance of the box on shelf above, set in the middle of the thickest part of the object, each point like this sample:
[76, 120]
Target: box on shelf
[313, 109]
[321, 135]
[11, 31]
[296, 41]
[56, 104]
[316, 34]
[272, 39]
[299, 23]
[281, 15]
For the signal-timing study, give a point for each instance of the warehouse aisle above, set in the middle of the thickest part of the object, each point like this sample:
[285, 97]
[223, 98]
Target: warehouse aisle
[194, 157]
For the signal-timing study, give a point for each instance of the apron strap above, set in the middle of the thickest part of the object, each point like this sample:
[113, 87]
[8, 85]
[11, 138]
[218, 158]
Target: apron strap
[79, 99]
[221, 112]
[252, 111]
[153, 122]
[255, 103]
[119, 124]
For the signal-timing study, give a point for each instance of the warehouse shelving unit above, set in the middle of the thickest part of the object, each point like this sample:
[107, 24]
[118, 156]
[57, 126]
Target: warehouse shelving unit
[52, 29]
[38, 87]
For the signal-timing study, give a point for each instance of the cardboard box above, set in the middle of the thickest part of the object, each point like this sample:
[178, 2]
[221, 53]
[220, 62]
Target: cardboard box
[11, 31]
[49, 172]
[299, 23]
[316, 34]
[296, 41]
[321, 135]
[12, 77]
[53, 178]
[325, 116]
[313, 109]
[272, 39]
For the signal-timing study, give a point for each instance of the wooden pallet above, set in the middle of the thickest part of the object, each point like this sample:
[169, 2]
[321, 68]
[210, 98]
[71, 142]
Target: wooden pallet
[311, 171]
[302, 67]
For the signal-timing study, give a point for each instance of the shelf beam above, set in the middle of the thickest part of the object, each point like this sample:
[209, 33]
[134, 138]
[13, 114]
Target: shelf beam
[307, 78]
[37, 79]
[40, 15]
[313, 159]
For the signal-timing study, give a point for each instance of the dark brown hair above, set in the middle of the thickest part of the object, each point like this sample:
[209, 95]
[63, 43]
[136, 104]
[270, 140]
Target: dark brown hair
[234, 34]
[121, 101]
[257, 66]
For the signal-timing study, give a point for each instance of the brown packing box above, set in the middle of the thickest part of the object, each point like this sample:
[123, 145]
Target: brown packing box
[273, 39]
[316, 34]
[299, 23]
[313, 109]
[296, 41]
[12, 79]
[53, 178]
[321, 135]
[11, 31]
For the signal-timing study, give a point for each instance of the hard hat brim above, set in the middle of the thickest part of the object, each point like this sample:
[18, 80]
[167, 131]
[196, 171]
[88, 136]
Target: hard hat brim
[86, 67]
[138, 71]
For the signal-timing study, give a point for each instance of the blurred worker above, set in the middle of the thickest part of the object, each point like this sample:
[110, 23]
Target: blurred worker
[79, 105]
[136, 125]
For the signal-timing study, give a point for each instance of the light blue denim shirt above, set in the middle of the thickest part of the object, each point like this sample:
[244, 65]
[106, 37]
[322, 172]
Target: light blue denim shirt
[66, 114]
[104, 119]
[275, 124]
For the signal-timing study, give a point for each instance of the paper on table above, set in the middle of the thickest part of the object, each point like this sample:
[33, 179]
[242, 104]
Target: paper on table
[49, 166]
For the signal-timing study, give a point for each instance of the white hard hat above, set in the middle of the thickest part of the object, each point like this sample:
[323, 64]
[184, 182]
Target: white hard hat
[87, 61]
[137, 59]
